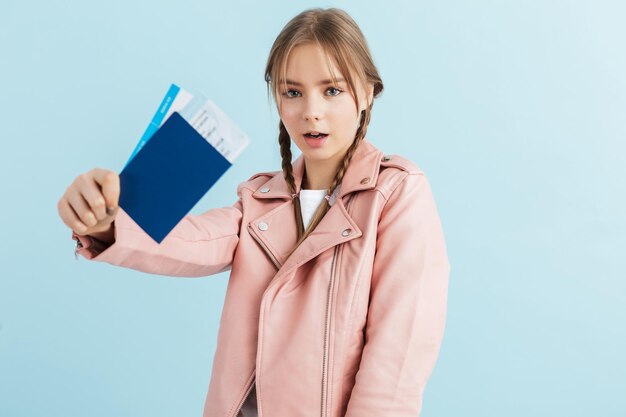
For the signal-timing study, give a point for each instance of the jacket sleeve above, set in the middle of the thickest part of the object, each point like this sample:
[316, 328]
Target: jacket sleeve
[199, 245]
[407, 310]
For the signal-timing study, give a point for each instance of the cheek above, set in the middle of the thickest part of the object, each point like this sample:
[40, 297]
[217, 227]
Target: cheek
[289, 116]
[288, 112]
[346, 117]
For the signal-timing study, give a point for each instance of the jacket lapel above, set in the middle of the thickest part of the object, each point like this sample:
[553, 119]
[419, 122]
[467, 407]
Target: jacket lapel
[276, 229]
[336, 227]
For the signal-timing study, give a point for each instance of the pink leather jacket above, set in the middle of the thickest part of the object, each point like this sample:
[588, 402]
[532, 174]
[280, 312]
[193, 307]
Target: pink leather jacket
[349, 325]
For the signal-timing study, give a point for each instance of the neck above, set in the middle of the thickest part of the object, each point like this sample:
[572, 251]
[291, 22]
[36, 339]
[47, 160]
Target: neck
[319, 174]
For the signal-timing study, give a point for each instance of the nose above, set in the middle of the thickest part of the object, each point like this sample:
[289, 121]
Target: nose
[313, 108]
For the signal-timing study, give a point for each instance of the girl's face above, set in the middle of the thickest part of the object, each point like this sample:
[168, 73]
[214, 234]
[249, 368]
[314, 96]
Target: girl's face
[312, 103]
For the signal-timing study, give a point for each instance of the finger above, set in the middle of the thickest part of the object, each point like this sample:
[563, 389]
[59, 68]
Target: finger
[109, 182]
[82, 209]
[94, 198]
[69, 217]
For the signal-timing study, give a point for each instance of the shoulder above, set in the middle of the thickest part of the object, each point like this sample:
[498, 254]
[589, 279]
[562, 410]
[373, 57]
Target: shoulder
[256, 180]
[399, 162]
[394, 169]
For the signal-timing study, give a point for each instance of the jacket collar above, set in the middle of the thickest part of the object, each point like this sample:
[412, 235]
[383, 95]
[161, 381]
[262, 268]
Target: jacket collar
[361, 174]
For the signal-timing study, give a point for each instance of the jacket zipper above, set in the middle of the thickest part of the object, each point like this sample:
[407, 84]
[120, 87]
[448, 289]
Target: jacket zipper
[267, 251]
[326, 330]
[244, 398]
[327, 326]
[328, 304]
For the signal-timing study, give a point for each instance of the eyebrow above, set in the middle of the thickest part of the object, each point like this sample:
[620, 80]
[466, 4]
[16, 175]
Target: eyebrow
[323, 82]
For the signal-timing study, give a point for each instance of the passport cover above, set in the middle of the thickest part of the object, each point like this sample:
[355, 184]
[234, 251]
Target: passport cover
[168, 176]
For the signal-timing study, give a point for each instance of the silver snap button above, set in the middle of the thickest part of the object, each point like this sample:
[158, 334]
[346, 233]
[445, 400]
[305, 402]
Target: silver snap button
[264, 189]
[365, 180]
[346, 232]
[386, 158]
[262, 226]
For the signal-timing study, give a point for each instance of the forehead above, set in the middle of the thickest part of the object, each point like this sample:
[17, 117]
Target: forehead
[309, 63]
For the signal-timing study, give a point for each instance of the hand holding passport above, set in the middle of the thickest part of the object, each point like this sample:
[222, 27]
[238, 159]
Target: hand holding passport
[187, 147]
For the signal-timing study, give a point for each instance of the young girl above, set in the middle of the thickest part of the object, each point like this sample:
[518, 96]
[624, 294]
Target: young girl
[337, 293]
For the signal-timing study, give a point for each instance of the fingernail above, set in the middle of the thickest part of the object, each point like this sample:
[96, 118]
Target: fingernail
[110, 211]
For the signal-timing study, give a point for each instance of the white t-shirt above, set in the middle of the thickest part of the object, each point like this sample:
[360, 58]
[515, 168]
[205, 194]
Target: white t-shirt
[310, 200]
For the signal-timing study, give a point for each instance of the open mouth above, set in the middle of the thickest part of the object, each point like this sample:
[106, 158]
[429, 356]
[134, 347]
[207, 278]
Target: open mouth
[315, 135]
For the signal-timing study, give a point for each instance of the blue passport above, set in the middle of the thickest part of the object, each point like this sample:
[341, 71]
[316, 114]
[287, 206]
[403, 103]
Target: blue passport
[168, 176]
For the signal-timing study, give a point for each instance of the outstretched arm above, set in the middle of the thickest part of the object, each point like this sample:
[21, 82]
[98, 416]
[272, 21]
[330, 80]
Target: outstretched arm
[199, 245]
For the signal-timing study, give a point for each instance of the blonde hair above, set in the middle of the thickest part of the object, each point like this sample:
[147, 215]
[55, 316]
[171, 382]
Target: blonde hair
[342, 41]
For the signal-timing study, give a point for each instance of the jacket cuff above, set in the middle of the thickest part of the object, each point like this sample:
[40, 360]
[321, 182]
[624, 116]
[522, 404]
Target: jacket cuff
[88, 246]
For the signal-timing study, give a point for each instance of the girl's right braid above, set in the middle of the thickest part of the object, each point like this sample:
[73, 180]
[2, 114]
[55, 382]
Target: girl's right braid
[285, 152]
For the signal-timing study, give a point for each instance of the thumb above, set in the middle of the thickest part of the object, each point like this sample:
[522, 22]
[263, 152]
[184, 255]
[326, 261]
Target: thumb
[109, 182]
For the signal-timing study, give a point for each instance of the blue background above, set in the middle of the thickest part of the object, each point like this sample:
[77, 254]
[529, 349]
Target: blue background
[515, 111]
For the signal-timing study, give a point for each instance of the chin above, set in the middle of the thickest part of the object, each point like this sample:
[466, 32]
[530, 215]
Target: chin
[316, 154]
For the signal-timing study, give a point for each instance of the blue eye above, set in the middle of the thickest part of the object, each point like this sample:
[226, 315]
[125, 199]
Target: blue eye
[288, 95]
[295, 94]
[336, 89]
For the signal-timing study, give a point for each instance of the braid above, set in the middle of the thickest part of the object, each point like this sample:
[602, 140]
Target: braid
[285, 152]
